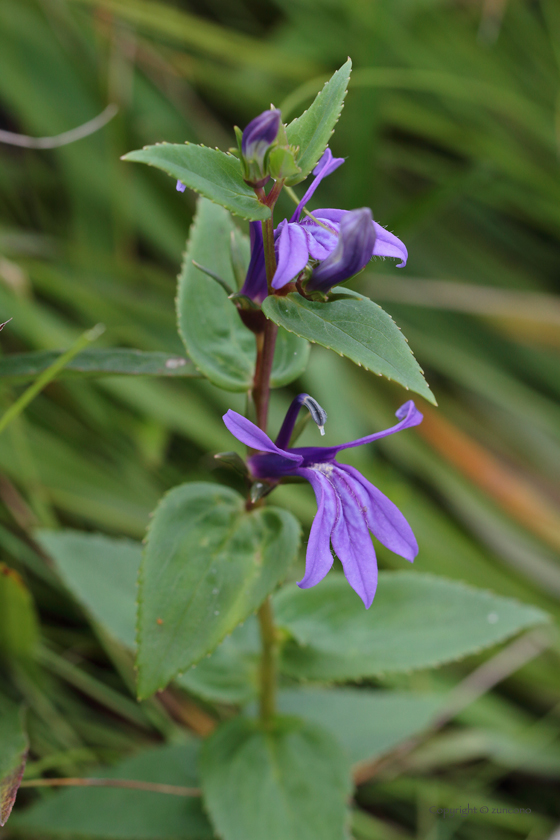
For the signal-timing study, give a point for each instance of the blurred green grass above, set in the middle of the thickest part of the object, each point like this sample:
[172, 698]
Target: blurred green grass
[451, 133]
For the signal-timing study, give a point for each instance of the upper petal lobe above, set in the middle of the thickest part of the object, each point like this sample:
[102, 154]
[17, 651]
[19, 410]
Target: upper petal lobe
[292, 254]
[252, 436]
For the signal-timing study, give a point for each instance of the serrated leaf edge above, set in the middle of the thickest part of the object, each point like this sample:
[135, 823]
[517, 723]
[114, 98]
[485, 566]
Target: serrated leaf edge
[306, 174]
[359, 364]
[197, 191]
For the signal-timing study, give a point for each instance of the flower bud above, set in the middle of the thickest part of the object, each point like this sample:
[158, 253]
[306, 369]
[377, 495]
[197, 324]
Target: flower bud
[255, 286]
[256, 142]
[354, 249]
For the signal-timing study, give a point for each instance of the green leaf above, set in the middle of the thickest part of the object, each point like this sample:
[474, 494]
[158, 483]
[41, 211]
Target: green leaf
[207, 565]
[312, 130]
[19, 628]
[101, 572]
[221, 347]
[289, 782]
[22, 367]
[367, 723]
[353, 326]
[121, 814]
[214, 174]
[230, 674]
[13, 755]
[416, 621]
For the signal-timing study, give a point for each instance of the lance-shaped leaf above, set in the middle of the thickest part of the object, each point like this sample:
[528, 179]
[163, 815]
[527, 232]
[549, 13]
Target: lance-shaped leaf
[208, 564]
[13, 754]
[353, 326]
[417, 621]
[210, 172]
[221, 347]
[311, 131]
[116, 361]
[291, 781]
[101, 572]
[366, 723]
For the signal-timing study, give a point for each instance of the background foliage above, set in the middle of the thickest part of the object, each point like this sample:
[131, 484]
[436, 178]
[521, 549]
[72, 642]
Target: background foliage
[451, 133]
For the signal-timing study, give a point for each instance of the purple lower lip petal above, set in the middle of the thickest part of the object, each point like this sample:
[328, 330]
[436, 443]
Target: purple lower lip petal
[349, 507]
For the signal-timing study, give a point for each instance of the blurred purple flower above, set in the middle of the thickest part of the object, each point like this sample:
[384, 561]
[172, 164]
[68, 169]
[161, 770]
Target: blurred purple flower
[348, 506]
[297, 241]
[255, 285]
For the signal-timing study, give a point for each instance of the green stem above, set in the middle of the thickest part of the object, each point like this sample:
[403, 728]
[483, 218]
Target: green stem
[268, 670]
[49, 374]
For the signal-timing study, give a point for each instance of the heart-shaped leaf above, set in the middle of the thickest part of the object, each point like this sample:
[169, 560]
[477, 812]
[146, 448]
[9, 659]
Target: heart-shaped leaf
[101, 572]
[291, 781]
[207, 565]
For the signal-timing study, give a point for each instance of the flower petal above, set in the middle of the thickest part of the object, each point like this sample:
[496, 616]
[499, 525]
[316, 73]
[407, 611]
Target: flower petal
[351, 540]
[326, 166]
[389, 245]
[320, 242]
[330, 215]
[292, 254]
[252, 436]
[319, 558]
[384, 519]
[408, 414]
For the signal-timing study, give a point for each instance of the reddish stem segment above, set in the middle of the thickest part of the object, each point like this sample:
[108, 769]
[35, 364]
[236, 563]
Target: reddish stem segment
[266, 343]
[265, 358]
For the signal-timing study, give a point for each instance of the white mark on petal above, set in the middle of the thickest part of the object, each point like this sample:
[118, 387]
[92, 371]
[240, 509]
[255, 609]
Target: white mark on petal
[325, 469]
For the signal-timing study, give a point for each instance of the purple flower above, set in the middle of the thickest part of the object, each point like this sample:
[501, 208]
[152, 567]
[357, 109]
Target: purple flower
[348, 506]
[255, 285]
[317, 237]
[356, 242]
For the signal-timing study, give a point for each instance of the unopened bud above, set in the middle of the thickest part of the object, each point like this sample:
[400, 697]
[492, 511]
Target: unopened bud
[256, 142]
[354, 249]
